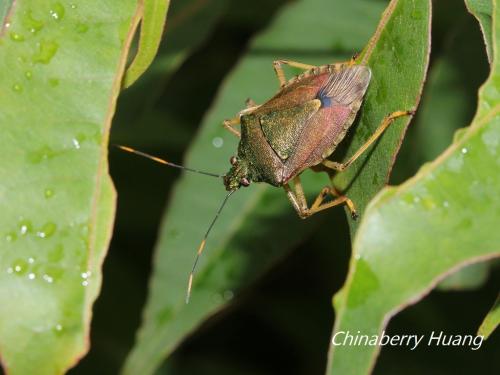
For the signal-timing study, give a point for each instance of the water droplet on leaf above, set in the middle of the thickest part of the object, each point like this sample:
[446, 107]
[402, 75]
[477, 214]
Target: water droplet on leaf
[46, 51]
[17, 87]
[16, 37]
[218, 142]
[47, 230]
[57, 11]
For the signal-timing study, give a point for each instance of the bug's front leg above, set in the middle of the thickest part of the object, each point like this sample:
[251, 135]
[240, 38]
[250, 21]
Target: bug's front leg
[231, 123]
[388, 120]
[299, 202]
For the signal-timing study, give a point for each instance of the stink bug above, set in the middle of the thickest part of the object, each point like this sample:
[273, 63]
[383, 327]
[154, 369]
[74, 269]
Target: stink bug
[296, 129]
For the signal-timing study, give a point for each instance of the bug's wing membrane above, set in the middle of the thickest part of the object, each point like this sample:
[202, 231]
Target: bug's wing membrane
[347, 86]
[282, 128]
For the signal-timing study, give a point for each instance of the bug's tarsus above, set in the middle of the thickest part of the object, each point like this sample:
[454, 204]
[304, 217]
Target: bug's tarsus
[165, 162]
[202, 246]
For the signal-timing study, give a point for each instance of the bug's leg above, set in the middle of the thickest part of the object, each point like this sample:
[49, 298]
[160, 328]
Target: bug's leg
[320, 205]
[382, 127]
[281, 74]
[297, 198]
[229, 125]
[299, 202]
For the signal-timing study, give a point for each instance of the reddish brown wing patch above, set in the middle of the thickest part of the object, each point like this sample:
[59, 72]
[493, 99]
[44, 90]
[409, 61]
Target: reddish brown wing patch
[341, 96]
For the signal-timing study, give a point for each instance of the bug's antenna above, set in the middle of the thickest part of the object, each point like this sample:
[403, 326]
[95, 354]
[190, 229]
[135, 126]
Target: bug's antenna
[202, 245]
[162, 161]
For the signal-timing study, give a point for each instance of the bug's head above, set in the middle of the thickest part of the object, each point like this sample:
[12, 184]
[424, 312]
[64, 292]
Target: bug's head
[237, 175]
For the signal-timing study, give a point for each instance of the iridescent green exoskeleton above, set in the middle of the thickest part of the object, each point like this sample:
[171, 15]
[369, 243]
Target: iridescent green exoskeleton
[298, 128]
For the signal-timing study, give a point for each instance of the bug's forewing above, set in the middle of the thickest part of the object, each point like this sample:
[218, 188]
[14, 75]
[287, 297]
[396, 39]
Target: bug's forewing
[343, 93]
[282, 128]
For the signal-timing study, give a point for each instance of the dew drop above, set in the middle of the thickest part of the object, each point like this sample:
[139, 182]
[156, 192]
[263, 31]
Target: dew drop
[58, 329]
[16, 37]
[85, 275]
[76, 143]
[43, 153]
[73, 6]
[17, 87]
[228, 295]
[31, 260]
[48, 193]
[85, 283]
[20, 266]
[46, 51]
[31, 276]
[48, 278]
[25, 227]
[10, 237]
[218, 142]
[7, 25]
[28, 74]
[31, 23]
[464, 150]
[10, 270]
[57, 11]
[47, 230]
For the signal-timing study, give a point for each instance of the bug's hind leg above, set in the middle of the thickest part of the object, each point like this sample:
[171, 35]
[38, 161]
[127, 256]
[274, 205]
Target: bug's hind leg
[299, 202]
[281, 74]
[388, 120]
[320, 204]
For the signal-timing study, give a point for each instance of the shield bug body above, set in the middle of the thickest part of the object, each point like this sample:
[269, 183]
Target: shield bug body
[297, 129]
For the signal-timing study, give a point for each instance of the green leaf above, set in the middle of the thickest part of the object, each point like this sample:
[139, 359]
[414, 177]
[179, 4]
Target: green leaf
[441, 114]
[398, 55]
[414, 235]
[258, 226]
[482, 10]
[467, 278]
[62, 64]
[154, 15]
[491, 321]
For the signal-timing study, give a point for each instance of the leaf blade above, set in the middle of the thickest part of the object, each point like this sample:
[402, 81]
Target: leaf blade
[387, 272]
[491, 321]
[153, 20]
[482, 10]
[57, 196]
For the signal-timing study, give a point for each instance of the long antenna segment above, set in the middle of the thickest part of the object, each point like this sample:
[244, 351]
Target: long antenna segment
[163, 161]
[202, 245]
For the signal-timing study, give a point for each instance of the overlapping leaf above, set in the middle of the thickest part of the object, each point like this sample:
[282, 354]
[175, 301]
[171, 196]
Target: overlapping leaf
[482, 10]
[61, 66]
[413, 235]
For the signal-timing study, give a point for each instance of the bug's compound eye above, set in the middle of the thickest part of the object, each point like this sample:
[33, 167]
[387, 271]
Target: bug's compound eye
[244, 182]
[233, 160]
